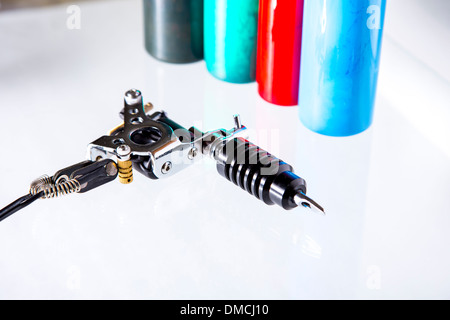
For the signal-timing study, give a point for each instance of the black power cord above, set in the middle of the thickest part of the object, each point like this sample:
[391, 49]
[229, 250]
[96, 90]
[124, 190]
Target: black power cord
[19, 204]
[89, 175]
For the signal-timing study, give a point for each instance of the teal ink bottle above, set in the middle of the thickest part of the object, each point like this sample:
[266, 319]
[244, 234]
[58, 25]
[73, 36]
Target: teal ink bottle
[230, 39]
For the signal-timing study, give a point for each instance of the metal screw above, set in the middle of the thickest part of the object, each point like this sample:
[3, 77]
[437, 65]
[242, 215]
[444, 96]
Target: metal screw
[124, 164]
[237, 121]
[166, 167]
[123, 151]
[133, 96]
[133, 93]
[192, 153]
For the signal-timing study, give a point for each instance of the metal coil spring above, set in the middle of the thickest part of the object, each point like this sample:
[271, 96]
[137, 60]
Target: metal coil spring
[50, 189]
[40, 183]
[61, 189]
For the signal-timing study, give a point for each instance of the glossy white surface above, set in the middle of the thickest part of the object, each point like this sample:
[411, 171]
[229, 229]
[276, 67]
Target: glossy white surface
[195, 235]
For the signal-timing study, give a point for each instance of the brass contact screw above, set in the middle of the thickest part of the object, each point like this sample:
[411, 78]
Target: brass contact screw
[124, 164]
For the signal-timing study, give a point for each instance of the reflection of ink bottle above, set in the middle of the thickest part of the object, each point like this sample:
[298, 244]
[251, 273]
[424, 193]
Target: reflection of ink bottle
[279, 43]
[174, 30]
[339, 66]
[230, 39]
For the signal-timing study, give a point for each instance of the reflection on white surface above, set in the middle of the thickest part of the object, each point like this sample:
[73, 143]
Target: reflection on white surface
[422, 30]
[424, 101]
[311, 248]
[196, 235]
[337, 171]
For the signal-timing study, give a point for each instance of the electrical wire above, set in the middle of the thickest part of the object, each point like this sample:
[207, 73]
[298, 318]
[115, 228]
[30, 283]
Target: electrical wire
[89, 175]
[19, 204]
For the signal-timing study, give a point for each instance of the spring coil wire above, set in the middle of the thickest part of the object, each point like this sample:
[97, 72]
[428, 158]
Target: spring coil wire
[51, 189]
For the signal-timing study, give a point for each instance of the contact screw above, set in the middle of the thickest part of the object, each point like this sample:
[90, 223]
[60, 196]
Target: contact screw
[133, 96]
[124, 164]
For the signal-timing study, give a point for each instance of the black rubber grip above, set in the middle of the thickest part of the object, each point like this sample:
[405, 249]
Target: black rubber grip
[259, 173]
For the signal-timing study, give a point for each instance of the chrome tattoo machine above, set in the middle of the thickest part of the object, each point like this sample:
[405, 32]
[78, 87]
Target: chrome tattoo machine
[156, 146]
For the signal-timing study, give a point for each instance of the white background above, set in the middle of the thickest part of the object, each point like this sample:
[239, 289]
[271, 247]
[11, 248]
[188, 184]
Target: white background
[196, 235]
